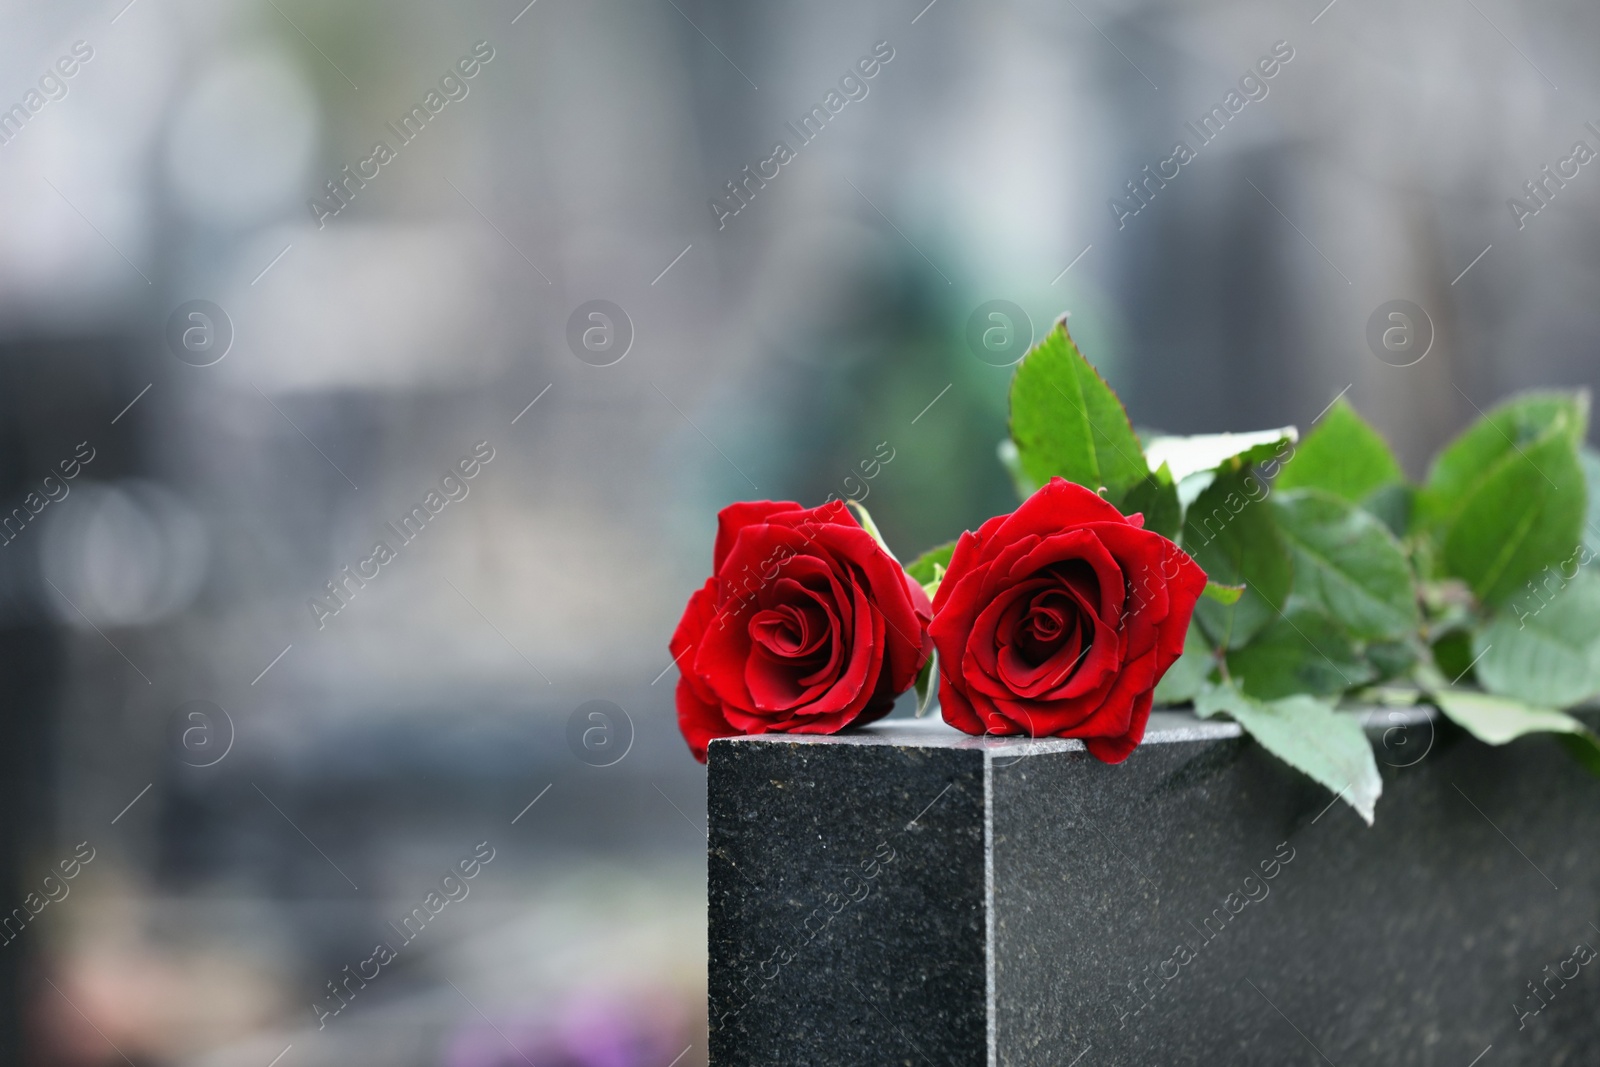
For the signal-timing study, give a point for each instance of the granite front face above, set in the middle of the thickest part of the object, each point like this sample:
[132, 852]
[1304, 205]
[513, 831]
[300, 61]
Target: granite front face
[847, 902]
[908, 895]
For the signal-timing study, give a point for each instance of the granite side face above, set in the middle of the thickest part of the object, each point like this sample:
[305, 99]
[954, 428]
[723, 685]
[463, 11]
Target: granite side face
[1198, 904]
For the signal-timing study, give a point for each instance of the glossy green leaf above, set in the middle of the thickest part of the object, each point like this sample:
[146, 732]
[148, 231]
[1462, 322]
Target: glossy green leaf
[1011, 460]
[1310, 736]
[1585, 748]
[1495, 720]
[1343, 455]
[929, 567]
[1544, 646]
[1526, 513]
[1191, 487]
[1231, 532]
[1348, 563]
[1392, 659]
[1393, 505]
[1302, 651]
[1187, 675]
[1452, 653]
[1156, 497]
[1067, 422]
[1515, 424]
[1589, 459]
[1507, 497]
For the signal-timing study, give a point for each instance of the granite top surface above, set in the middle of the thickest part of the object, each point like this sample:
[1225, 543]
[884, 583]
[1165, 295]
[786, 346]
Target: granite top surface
[1166, 727]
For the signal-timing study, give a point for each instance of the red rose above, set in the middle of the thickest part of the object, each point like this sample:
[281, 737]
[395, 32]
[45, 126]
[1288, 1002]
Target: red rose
[1059, 619]
[806, 626]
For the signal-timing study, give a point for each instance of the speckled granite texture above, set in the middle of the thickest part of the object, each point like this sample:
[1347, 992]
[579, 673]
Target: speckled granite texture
[1198, 904]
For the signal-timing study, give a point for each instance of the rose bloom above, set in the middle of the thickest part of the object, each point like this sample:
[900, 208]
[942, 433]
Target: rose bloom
[806, 626]
[1059, 619]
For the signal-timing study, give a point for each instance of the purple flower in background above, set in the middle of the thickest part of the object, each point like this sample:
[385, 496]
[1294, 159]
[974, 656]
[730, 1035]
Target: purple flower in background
[585, 1030]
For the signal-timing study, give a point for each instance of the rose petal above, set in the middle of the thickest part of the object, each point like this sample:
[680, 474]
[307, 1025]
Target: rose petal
[1064, 576]
[699, 717]
[1117, 749]
[807, 625]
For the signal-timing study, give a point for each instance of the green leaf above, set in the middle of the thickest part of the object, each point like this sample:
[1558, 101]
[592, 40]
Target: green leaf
[1187, 675]
[928, 569]
[1011, 460]
[1392, 659]
[1191, 487]
[1393, 505]
[1507, 497]
[927, 684]
[871, 527]
[1544, 647]
[1156, 497]
[1343, 455]
[1308, 735]
[1067, 422]
[1184, 456]
[1516, 423]
[1585, 748]
[1222, 594]
[1231, 533]
[1452, 653]
[1589, 459]
[1495, 720]
[1526, 514]
[1347, 562]
[1302, 651]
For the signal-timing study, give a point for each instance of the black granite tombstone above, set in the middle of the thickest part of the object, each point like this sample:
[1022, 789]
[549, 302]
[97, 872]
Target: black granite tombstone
[909, 895]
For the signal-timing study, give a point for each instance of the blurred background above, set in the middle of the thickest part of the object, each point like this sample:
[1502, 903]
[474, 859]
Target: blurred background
[240, 345]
